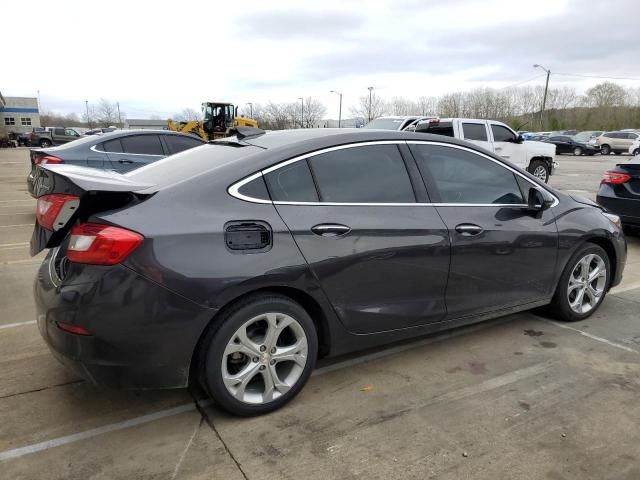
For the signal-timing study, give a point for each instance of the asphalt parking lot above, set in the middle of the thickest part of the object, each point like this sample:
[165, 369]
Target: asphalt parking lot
[521, 397]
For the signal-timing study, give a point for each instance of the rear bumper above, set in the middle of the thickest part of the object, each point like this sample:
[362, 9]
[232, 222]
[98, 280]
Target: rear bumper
[143, 336]
[626, 208]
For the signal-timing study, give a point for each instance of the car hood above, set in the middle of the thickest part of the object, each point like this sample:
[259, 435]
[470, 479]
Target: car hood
[540, 148]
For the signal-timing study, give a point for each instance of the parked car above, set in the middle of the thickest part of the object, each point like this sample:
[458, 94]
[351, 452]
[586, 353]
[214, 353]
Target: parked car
[616, 142]
[395, 123]
[619, 191]
[588, 136]
[239, 263]
[121, 151]
[100, 131]
[566, 144]
[534, 157]
[54, 136]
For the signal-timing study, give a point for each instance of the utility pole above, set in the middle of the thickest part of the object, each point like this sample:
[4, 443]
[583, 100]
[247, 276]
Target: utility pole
[301, 112]
[544, 98]
[119, 119]
[86, 102]
[251, 108]
[340, 108]
[370, 90]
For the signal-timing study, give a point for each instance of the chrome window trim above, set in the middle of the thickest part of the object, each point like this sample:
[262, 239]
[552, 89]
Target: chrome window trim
[233, 190]
[93, 148]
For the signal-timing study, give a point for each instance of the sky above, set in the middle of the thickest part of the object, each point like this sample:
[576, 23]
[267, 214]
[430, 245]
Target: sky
[157, 58]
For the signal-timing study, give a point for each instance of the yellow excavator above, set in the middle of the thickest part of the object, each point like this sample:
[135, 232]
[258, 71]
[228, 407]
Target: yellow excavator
[220, 119]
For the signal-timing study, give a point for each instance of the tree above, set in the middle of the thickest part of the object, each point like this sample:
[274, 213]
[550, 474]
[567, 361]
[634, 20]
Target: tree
[378, 107]
[314, 110]
[188, 114]
[606, 94]
[106, 113]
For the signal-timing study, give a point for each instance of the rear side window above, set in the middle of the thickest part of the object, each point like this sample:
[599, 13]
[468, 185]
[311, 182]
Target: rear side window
[292, 183]
[179, 143]
[502, 134]
[142, 144]
[474, 131]
[460, 176]
[113, 146]
[441, 128]
[58, 131]
[256, 188]
[369, 174]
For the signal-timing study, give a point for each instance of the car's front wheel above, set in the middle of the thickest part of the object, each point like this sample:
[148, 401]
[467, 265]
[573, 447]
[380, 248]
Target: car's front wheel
[260, 355]
[636, 152]
[45, 143]
[577, 151]
[583, 284]
[605, 150]
[539, 169]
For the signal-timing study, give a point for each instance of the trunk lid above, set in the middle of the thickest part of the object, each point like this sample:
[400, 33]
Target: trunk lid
[96, 191]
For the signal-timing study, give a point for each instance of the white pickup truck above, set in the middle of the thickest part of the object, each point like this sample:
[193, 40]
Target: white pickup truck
[535, 157]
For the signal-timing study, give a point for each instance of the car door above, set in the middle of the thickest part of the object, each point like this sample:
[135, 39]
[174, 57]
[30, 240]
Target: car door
[381, 257]
[476, 132]
[502, 254]
[506, 145]
[134, 151]
[562, 144]
[70, 135]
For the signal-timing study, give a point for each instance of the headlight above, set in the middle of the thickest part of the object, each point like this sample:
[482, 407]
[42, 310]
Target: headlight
[615, 219]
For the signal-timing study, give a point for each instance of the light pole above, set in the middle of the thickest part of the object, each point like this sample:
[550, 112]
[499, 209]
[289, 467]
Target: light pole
[86, 103]
[251, 109]
[301, 112]
[119, 118]
[544, 98]
[370, 90]
[339, 109]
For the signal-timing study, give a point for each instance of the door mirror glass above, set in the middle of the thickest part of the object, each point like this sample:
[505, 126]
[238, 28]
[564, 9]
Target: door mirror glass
[538, 201]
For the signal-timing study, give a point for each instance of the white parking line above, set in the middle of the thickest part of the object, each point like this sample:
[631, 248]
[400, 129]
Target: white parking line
[76, 437]
[18, 324]
[593, 337]
[17, 225]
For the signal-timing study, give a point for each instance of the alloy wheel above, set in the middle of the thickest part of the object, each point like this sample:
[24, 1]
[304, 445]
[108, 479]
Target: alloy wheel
[587, 283]
[577, 151]
[541, 173]
[264, 358]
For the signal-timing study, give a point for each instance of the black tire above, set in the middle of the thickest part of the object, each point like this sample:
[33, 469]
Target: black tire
[577, 151]
[536, 166]
[44, 143]
[636, 152]
[605, 149]
[559, 306]
[223, 331]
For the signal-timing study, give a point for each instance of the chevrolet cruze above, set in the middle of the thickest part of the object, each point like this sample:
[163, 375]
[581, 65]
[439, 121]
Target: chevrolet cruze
[239, 263]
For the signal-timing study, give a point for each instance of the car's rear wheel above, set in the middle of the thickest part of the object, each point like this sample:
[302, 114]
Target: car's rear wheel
[577, 151]
[539, 169]
[583, 284]
[605, 150]
[260, 355]
[44, 143]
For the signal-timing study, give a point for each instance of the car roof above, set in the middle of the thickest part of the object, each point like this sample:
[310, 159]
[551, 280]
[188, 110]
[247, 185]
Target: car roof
[143, 131]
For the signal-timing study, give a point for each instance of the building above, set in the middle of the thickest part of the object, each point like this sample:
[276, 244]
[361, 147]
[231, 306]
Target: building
[18, 114]
[145, 123]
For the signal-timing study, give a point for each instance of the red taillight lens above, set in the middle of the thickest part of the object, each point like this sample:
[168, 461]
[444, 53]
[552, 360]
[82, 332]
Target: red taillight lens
[54, 211]
[101, 244]
[75, 329]
[48, 159]
[615, 177]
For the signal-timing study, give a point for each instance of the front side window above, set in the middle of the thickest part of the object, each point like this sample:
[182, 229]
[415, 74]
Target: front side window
[368, 174]
[9, 121]
[25, 121]
[463, 177]
[502, 134]
[71, 133]
[474, 131]
[142, 145]
[292, 183]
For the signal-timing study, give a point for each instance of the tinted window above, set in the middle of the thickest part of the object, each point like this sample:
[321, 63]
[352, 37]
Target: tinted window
[460, 176]
[142, 144]
[555, 139]
[474, 131]
[371, 174]
[632, 136]
[441, 128]
[178, 143]
[113, 146]
[502, 134]
[256, 188]
[58, 131]
[292, 183]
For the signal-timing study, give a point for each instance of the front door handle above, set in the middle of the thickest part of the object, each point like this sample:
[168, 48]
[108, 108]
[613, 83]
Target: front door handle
[124, 160]
[330, 230]
[469, 229]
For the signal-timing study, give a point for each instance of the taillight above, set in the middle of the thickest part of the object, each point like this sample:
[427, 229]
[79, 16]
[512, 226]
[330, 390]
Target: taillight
[48, 159]
[75, 329]
[98, 244]
[615, 177]
[54, 211]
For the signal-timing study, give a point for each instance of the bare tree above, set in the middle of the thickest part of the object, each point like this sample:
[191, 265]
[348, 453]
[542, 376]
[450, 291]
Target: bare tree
[427, 105]
[606, 94]
[106, 113]
[188, 114]
[314, 110]
[361, 109]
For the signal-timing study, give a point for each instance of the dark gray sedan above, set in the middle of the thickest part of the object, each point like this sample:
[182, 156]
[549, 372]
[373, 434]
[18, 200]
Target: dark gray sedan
[120, 151]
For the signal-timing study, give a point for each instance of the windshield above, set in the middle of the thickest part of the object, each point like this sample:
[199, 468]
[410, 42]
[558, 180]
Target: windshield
[216, 112]
[385, 123]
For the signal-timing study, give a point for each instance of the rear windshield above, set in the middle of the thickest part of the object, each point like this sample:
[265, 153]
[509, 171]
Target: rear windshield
[181, 166]
[385, 123]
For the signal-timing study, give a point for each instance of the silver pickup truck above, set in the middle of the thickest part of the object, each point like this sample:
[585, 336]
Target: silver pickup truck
[54, 136]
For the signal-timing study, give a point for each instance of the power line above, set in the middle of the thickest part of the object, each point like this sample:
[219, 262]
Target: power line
[595, 76]
[524, 81]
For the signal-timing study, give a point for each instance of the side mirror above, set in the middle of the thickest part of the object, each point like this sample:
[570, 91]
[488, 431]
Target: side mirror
[520, 139]
[538, 201]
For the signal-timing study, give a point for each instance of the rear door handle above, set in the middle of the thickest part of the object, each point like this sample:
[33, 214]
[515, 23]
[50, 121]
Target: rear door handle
[330, 230]
[124, 160]
[469, 229]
